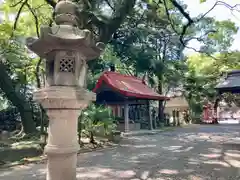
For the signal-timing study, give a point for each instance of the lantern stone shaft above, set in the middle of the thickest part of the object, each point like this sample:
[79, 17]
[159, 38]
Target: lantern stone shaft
[66, 49]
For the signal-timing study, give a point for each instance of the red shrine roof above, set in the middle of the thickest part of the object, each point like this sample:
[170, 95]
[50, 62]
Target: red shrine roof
[129, 86]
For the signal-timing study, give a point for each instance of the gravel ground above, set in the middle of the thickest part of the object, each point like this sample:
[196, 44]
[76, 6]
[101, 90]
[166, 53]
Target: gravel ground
[196, 152]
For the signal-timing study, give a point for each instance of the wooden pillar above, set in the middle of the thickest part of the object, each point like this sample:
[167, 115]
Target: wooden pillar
[150, 125]
[154, 120]
[174, 117]
[215, 107]
[118, 111]
[126, 114]
[178, 117]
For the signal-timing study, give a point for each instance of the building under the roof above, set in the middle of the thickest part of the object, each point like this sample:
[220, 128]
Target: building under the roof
[119, 90]
[230, 84]
[177, 103]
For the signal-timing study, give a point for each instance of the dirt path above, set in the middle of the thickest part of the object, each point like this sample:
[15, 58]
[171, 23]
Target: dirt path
[198, 152]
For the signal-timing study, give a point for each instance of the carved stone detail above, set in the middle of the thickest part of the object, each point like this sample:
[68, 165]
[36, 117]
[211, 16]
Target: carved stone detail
[67, 64]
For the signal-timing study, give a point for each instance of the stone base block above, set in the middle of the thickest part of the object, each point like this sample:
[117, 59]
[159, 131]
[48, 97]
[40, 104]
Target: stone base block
[62, 167]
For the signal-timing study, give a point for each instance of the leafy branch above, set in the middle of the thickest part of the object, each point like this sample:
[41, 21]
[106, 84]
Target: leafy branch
[25, 3]
[51, 3]
[18, 14]
[16, 4]
[190, 20]
[106, 27]
[109, 4]
[35, 18]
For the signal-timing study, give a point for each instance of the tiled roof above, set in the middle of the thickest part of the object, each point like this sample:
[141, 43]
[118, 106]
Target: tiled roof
[129, 86]
[232, 81]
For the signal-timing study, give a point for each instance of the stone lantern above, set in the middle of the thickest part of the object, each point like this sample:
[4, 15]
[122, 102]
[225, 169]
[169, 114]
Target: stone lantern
[66, 49]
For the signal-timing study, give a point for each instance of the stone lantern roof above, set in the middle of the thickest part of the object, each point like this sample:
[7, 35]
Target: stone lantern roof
[65, 35]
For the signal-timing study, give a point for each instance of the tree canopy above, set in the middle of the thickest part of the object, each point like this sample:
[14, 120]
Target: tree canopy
[144, 38]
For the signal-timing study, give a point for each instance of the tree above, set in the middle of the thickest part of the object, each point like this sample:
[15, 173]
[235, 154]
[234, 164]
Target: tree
[150, 42]
[14, 78]
[104, 18]
[148, 46]
[203, 74]
[41, 12]
[96, 67]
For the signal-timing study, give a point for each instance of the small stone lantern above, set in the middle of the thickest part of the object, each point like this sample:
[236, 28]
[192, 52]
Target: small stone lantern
[66, 49]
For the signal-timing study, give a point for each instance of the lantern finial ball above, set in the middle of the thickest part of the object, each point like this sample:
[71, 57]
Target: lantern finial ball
[65, 13]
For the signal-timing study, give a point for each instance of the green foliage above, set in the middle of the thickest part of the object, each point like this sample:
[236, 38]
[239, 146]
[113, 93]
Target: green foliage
[31, 16]
[95, 117]
[98, 66]
[203, 74]
[147, 43]
[3, 103]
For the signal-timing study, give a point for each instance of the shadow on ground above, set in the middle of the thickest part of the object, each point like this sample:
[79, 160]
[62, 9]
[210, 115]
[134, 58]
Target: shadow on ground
[16, 152]
[196, 153]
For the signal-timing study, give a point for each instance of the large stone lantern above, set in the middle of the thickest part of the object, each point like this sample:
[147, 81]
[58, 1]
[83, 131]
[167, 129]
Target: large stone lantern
[66, 50]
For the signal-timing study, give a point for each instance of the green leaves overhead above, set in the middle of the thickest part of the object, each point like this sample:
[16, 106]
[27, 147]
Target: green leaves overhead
[204, 73]
[5, 30]
[143, 37]
[222, 38]
[26, 15]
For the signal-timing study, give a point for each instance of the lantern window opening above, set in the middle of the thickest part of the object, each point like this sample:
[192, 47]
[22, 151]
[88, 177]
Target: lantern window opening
[67, 64]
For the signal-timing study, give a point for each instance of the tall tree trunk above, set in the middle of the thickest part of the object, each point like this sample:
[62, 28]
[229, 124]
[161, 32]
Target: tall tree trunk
[42, 111]
[160, 103]
[37, 73]
[215, 106]
[17, 100]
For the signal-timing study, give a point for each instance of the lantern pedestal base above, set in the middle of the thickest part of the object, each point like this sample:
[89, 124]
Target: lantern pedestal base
[62, 145]
[63, 106]
[62, 167]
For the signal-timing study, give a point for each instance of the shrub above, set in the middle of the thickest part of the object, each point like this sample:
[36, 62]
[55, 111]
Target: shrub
[93, 118]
